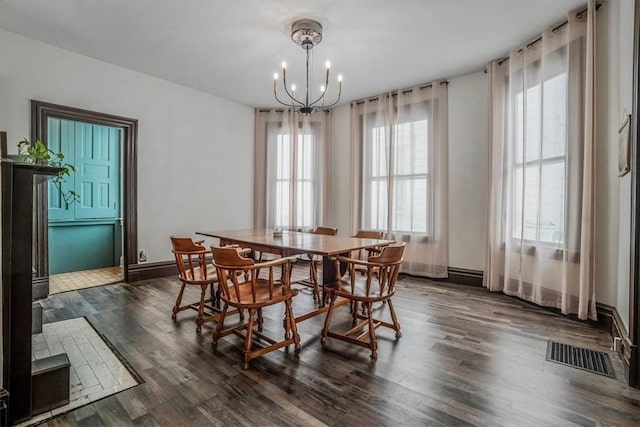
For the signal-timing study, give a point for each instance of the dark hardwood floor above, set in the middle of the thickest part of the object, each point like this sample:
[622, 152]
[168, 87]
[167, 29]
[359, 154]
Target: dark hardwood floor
[467, 357]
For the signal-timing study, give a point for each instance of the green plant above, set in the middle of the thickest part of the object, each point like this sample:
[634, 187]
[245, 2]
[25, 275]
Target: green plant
[39, 154]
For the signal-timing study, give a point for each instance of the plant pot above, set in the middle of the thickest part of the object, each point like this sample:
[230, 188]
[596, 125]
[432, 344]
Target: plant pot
[20, 158]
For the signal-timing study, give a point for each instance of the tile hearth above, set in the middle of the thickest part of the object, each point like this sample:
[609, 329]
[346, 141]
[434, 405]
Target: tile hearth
[95, 373]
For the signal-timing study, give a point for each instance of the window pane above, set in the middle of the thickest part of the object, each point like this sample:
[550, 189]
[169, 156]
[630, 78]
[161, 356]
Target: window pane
[411, 148]
[552, 203]
[528, 124]
[305, 156]
[378, 152]
[410, 207]
[378, 205]
[526, 204]
[304, 208]
[283, 166]
[555, 117]
[282, 203]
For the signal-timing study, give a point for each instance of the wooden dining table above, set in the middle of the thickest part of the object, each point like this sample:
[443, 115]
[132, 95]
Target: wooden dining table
[296, 243]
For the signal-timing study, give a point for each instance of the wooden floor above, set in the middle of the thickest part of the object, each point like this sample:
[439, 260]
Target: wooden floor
[467, 357]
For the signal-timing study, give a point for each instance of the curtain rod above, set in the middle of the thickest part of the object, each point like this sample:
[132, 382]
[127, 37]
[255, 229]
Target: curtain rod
[282, 110]
[553, 30]
[445, 82]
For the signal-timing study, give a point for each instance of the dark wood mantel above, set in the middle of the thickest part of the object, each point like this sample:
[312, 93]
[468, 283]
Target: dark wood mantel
[18, 181]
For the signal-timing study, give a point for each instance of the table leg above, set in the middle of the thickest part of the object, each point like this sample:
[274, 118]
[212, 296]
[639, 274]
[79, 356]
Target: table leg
[329, 273]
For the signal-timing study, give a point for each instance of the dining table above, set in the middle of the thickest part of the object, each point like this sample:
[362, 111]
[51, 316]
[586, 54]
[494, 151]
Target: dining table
[288, 243]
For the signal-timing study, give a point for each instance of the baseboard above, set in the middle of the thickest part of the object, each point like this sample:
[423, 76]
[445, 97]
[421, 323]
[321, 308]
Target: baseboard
[609, 320]
[463, 276]
[39, 288]
[152, 270]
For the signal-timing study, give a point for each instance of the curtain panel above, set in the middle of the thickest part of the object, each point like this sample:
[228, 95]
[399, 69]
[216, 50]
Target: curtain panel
[399, 173]
[292, 177]
[541, 225]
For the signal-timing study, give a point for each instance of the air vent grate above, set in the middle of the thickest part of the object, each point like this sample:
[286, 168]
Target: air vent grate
[593, 361]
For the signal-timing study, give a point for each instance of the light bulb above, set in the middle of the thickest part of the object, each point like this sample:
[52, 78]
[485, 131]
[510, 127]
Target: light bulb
[328, 64]
[340, 77]
[275, 76]
[284, 64]
[322, 88]
[293, 88]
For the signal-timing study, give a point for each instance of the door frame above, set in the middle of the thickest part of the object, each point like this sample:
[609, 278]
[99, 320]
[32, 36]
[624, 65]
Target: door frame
[40, 113]
[634, 282]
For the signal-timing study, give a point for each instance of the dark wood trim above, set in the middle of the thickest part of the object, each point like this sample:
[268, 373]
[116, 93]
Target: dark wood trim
[634, 282]
[40, 288]
[40, 112]
[18, 183]
[609, 320]
[152, 270]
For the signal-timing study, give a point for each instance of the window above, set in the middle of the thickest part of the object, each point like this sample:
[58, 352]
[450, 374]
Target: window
[539, 163]
[301, 183]
[404, 168]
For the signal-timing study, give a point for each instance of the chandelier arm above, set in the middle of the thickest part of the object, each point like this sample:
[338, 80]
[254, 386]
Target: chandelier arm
[321, 97]
[331, 105]
[283, 103]
[293, 98]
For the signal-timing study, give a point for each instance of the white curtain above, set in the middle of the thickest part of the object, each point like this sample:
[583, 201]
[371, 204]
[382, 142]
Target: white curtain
[540, 244]
[291, 169]
[399, 173]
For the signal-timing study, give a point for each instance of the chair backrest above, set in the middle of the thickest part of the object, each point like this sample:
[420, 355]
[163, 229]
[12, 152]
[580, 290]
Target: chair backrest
[232, 268]
[386, 266]
[366, 234]
[189, 258]
[369, 234]
[328, 231]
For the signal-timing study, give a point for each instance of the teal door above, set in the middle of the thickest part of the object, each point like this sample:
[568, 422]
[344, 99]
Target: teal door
[85, 234]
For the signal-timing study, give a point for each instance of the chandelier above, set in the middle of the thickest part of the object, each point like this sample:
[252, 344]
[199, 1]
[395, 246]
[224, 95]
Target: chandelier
[306, 33]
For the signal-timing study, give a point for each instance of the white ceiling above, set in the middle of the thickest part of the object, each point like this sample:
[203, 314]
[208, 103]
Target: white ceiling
[232, 48]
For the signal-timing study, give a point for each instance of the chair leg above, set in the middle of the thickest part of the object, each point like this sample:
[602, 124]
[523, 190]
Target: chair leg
[292, 324]
[219, 326]
[260, 320]
[373, 344]
[394, 319]
[200, 318]
[176, 307]
[248, 340]
[313, 275]
[327, 319]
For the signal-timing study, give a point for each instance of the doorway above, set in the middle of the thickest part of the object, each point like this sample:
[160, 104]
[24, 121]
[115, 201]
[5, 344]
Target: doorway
[96, 210]
[85, 231]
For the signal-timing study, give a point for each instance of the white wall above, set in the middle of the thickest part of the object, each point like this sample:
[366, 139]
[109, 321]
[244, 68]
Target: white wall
[468, 170]
[468, 164]
[613, 194]
[341, 169]
[194, 150]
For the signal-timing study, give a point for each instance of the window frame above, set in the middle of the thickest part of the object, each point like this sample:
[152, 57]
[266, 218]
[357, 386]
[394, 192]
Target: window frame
[389, 154]
[520, 165]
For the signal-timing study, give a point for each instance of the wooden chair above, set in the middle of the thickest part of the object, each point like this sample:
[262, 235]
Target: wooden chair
[314, 261]
[367, 234]
[193, 270]
[254, 293]
[387, 264]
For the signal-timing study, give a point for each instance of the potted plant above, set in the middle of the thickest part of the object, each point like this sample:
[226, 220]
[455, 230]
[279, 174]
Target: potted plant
[40, 154]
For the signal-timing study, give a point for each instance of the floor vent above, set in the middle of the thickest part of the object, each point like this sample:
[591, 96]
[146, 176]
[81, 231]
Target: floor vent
[593, 361]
